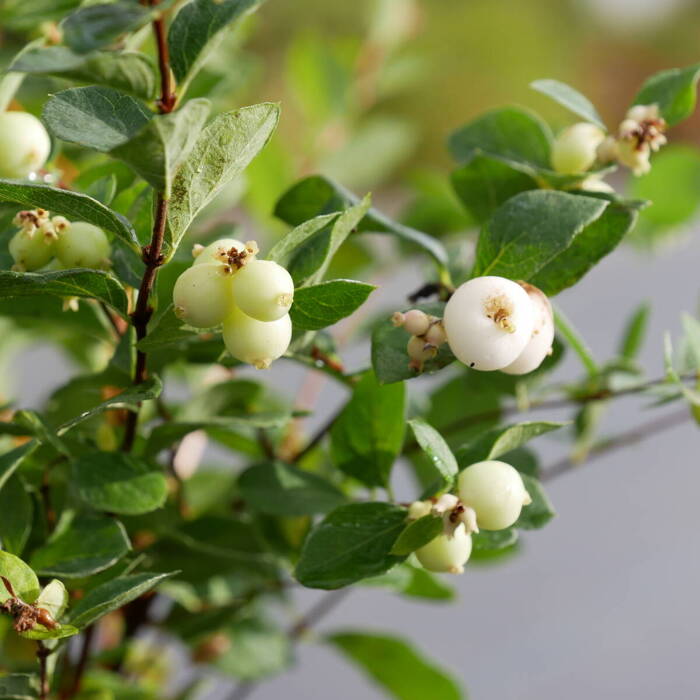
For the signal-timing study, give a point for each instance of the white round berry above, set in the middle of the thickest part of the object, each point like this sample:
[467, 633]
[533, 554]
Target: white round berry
[447, 553]
[416, 322]
[24, 144]
[574, 149]
[435, 335]
[263, 290]
[30, 252]
[540, 344]
[81, 244]
[217, 251]
[202, 295]
[258, 343]
[488, 321]
[495, 491]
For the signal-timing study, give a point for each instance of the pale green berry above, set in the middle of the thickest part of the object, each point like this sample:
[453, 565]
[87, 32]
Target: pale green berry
[263, 290]
[488, 322]
[495, 491]
[258, 343]
[574, 149]
[24, 144]
[418, 509]
[81, 244]
[30, 252]
[202, 295]
[447, 553]
[216, 251]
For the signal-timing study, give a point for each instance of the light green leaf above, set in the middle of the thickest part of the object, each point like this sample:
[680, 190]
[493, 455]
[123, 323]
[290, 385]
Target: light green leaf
[282, 489]
[351, 543]
[396, 666]
[282, 251]
[368, 435]
[23, 580]
[413, 582]
[88, 284]
[12, 459]
[327, 303]
[115, 482]
[73, 205]
[19, 686]
[54, 598]
[673, 90]
[492, 544]
[569, 98]
[16, 510]
[439, 453]
[538, 513]
[417, 534]
[634, 332]
[39, 632]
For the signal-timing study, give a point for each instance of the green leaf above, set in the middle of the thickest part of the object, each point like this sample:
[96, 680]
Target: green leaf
[196, 31]
[282, 489]
[19, 686]
[368, 435]
[89, 284]
[127, 71]
[589, 246]
[418, 533]
[511, 133]
[112, 595]
[282, 251]
[12, 459]
[569, 98]
[23, 579]
[16, 510]
[163, 144]
[115, 482]
[389, 357]
[351, 543]
[538, 513]
[73, 205]
[528, 231]
[414, 582]
[167, 330]
[634, 332]
[439, 453]
[39, 632]
[327, 303]
[483, 183]
[81, 546]
[97, 25]
[495, 443]
[491, 544]
[318, 195]
[673, 90]
[396, 666]
[223, 150]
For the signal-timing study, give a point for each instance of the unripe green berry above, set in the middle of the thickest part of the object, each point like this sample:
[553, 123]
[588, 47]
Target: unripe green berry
[258, 343]
[447, 553]
[24, 144]
[216, 251]
[495, 491]
[574, 149]
[81, 244]
[263, 290]
[202, 295]
[30, 252]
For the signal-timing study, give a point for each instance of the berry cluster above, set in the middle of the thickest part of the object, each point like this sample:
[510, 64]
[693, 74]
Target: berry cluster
[24, 144]
[490, 323]
[490, 496]
[53, 243]
[228, 285]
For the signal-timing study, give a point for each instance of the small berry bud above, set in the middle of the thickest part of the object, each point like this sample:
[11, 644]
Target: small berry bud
[436, 335]
[416, 322]
[607, 150]
[218, 251]
[419, 509]
[419, 352]
[574, 149]
[24, 144]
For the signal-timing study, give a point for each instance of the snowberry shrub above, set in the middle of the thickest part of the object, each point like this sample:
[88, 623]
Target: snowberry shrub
[117, 525]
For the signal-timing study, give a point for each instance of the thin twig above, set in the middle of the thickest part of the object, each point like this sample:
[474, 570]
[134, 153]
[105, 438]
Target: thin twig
[266, 444]
[41, 654]
[318, 436]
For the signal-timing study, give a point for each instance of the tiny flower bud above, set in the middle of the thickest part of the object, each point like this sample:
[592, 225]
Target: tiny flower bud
[398, 319]
[416, 322]
[420, 352]
[197, 250]
[436, 334]
[446, 502]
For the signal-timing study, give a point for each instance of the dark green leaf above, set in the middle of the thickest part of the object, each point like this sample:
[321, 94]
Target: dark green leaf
[396, 666]
[88, 284]
[418, 533]
[23, 579]
[538, 513]
[12, 459]
[113, 595]
[351, 543]
[19, 686]
[97, 25]
[438, 451]
[281, 489]
[282, 251]
[490, 544]
[673, 90]
[327, 303]
[16, 510]
[572, 99]
[495, 443]
[223, 150]
[634, 333]
[81, 546]
[73, 205]
[529, 230]
[511, 133]
[368, 435]
[196, 31]
[115, 482]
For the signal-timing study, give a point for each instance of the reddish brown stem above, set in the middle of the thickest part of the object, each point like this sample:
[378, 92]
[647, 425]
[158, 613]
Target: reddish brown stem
[168, 99]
